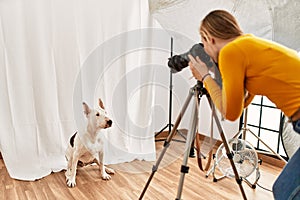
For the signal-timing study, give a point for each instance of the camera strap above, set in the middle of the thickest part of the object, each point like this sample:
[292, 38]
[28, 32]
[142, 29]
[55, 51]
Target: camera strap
[210, 153]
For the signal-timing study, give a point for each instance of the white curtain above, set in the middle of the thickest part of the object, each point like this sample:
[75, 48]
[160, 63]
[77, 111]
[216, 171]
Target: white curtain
[55, 54]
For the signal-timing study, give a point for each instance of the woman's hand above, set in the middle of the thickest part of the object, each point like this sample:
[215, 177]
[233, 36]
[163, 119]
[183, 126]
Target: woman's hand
[198, 68]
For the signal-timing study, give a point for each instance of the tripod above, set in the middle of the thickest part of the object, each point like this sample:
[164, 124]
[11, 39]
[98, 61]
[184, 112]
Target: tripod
[197, 91]
[244, 130]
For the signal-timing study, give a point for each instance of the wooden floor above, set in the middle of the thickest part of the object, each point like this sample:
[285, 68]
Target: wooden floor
[130, 179]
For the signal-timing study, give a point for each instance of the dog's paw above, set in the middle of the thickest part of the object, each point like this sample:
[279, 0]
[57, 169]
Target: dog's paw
[106, 176]
[71, 182]
[109, 170]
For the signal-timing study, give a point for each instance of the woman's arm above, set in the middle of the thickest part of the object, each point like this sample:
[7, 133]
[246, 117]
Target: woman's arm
[232, 65]
[229, 99]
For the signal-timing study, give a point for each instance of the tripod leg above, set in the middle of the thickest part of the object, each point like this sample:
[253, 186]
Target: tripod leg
[276, 154]
[190, 138]
[168, 140]
[161, 130]
[228, 151]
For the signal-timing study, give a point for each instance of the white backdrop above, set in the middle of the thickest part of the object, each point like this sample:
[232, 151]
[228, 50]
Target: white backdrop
[56, 54]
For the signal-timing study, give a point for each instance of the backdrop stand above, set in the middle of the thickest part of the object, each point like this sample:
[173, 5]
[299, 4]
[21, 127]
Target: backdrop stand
[170, 125]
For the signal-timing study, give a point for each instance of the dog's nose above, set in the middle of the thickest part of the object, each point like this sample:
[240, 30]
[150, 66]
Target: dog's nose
[109, 122]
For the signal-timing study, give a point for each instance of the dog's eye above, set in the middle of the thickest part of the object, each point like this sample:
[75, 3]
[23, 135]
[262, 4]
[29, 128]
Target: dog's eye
[97, 114]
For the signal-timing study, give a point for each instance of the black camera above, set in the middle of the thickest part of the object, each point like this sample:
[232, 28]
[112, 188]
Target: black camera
[178, 62]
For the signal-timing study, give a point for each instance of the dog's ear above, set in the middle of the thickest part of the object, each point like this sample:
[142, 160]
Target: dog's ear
[86, 109]
[101, 104]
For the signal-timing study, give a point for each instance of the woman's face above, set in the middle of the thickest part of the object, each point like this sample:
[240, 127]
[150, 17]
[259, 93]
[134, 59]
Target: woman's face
[209, 46]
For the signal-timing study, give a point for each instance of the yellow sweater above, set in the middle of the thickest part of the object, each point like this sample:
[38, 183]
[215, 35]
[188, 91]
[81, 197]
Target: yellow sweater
[261, 67]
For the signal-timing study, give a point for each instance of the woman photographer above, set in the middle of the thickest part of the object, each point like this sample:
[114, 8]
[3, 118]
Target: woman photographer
[251, 66]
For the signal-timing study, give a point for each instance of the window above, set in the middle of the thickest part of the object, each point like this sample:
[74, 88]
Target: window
[265, 121]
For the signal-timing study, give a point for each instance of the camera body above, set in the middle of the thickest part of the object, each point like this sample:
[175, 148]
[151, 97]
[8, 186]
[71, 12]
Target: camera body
[178, 62]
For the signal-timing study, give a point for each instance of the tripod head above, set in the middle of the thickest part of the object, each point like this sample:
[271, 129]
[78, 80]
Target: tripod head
[201, 90]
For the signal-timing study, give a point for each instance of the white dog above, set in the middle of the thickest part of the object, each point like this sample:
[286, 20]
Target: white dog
[87, 147]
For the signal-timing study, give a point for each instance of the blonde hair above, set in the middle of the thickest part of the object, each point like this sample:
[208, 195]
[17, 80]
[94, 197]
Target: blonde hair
[220, 24]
